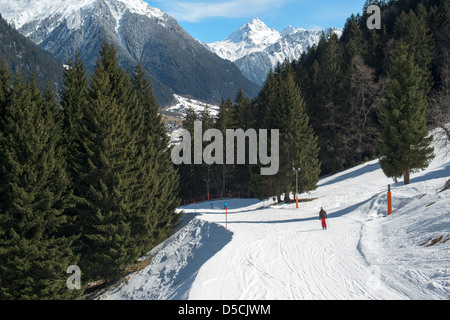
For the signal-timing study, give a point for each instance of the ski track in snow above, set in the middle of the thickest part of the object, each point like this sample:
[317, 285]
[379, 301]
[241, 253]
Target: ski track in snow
[280, 252]
[290, 260]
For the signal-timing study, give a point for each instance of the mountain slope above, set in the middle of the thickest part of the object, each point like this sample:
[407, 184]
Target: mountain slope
[23, 55]
[279, 252]
[176, 62]
[256, 49]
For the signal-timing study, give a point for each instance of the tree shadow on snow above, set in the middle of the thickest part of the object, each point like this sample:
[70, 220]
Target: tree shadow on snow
[331, 215]
[436, 174]
[363, 170]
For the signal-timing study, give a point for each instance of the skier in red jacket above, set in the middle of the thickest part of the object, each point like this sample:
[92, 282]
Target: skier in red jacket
[323, 218]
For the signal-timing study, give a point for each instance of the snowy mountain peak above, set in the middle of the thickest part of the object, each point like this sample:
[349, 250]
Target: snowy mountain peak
[139, 32]
[22, 12]
[255, 32]
[256, 49]
[290, 30]
[257, 22]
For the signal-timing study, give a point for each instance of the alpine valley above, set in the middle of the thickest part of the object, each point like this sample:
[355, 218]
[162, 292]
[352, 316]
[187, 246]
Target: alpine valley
[176, 62]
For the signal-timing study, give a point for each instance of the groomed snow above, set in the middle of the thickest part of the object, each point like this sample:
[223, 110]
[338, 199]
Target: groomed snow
[280, 252]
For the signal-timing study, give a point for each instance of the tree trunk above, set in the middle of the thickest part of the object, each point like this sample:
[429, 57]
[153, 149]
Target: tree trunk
[406, 174]
[287, 197]
[224, 191]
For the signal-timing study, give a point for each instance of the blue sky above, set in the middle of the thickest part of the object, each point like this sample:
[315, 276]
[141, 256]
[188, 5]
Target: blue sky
[214, 20]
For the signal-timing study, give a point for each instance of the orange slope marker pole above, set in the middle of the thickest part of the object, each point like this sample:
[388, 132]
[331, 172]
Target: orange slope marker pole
[389, 200]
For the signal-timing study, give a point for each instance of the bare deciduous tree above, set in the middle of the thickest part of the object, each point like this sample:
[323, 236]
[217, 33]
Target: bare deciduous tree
[364, 104]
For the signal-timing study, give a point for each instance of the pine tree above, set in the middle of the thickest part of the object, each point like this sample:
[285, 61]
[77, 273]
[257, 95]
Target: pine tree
[223, 123]
[104, 166]
[5, 78]
[265, 186]
[355, 46]
[414, 31]
[327, 107]
[241, 117]
[242, 114]
[297, 145]
[191, 174]
[73, 103]
[266, 97]
[158, 181]
[207, 169]
[34, 252]
[375, 51]
[144, 164]
[404, 145]
[266, 102]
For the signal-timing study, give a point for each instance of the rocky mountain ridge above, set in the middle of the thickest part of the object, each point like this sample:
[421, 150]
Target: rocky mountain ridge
[176, 62]
[256, 49]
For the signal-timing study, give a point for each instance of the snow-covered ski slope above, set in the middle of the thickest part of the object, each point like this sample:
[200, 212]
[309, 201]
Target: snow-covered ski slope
[280, 252]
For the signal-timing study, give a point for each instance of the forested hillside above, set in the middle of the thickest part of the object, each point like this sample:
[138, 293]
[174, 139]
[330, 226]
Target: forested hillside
[344, 80]
[23, 56]
[332, 105]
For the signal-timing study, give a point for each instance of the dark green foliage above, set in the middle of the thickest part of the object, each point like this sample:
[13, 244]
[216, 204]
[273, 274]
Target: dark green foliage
[125, 187]
[74, 101]
[192, 176]
[405, 145]
[104, 129]
[157, 189]
[343, 80]
[412, 29]
[321, 76]
[285, 110]
[223, 123]
[240, 117]
[217, 179]
[5, 80]
[103, 167]
[34, 194]
[26, 58]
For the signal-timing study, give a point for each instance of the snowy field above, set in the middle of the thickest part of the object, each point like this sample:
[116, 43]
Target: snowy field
[183, 104]
[263, 251]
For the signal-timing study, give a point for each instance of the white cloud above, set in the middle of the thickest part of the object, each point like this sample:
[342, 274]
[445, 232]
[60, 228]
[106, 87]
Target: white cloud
[197, 11]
